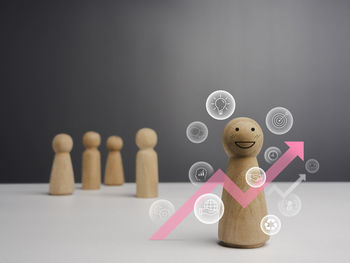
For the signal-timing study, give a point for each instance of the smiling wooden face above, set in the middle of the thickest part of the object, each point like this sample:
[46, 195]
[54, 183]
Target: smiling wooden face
[242, 137]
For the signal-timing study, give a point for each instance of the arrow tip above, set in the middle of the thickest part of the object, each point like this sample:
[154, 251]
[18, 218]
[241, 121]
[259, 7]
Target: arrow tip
[297, 148]
[303, 177]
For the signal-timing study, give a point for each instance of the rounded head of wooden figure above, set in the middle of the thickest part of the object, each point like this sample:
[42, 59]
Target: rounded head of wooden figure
[146, 138]
[91, 139]
[114, 143]
[62, 143]
[242, 137]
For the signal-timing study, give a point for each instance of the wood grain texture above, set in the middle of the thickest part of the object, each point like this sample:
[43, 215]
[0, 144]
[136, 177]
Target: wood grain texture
[146, 164]
[91, 165]
[240, 227]
[62, 175]
[114, 171]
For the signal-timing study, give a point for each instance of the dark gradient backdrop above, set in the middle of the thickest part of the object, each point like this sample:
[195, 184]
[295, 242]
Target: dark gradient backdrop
[117, 66]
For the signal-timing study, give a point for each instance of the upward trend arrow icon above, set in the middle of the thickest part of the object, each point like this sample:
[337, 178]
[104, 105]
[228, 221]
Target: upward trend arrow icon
[302, 177]
[220, 178]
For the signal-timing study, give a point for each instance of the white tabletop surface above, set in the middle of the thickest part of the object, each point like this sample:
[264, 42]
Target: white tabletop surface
[112, 225]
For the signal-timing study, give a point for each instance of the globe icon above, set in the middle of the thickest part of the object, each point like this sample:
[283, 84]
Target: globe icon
[208, 208]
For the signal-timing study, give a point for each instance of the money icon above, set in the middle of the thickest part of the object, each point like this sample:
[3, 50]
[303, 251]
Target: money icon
[255, 177]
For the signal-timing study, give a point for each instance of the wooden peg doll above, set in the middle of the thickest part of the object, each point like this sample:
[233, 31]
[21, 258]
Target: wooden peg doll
[62, 175]
[240, 227]
[146, 164]
[114, 172]
[91, 167]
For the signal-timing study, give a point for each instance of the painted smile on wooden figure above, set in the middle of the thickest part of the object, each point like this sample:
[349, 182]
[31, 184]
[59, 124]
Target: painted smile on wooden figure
[245, 144]
[244, 137]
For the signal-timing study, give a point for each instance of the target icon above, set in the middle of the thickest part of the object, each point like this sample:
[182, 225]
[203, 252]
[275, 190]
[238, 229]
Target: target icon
[279, 120]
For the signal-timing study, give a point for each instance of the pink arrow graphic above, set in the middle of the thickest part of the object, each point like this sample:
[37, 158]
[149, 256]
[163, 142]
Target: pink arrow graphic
[244, 198]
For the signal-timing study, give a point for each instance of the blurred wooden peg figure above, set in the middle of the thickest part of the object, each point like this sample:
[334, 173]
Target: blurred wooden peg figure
[91, 167]
[62, 175]
[146, 164]
[114, 172]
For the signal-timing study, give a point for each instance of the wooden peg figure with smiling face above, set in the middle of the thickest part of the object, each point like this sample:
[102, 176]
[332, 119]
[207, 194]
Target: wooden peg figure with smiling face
[243, 137]
[240, 227]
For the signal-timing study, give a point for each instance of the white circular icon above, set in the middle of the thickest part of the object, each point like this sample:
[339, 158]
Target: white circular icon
[271, 154]
[312, 166]
[209, 208]
[161, 210]
[197, 132]
[290, 205]
[255, 177]
[220, 105]
[279, 120]
[200, 172]
[270, 225]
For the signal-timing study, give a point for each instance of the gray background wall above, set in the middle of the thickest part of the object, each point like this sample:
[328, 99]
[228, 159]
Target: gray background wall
[117, 66]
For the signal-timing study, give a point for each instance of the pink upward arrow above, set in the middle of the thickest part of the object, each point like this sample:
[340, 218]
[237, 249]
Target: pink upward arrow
[244, 198]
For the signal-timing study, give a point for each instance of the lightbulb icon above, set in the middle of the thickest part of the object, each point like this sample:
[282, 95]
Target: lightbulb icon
[220, 104]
